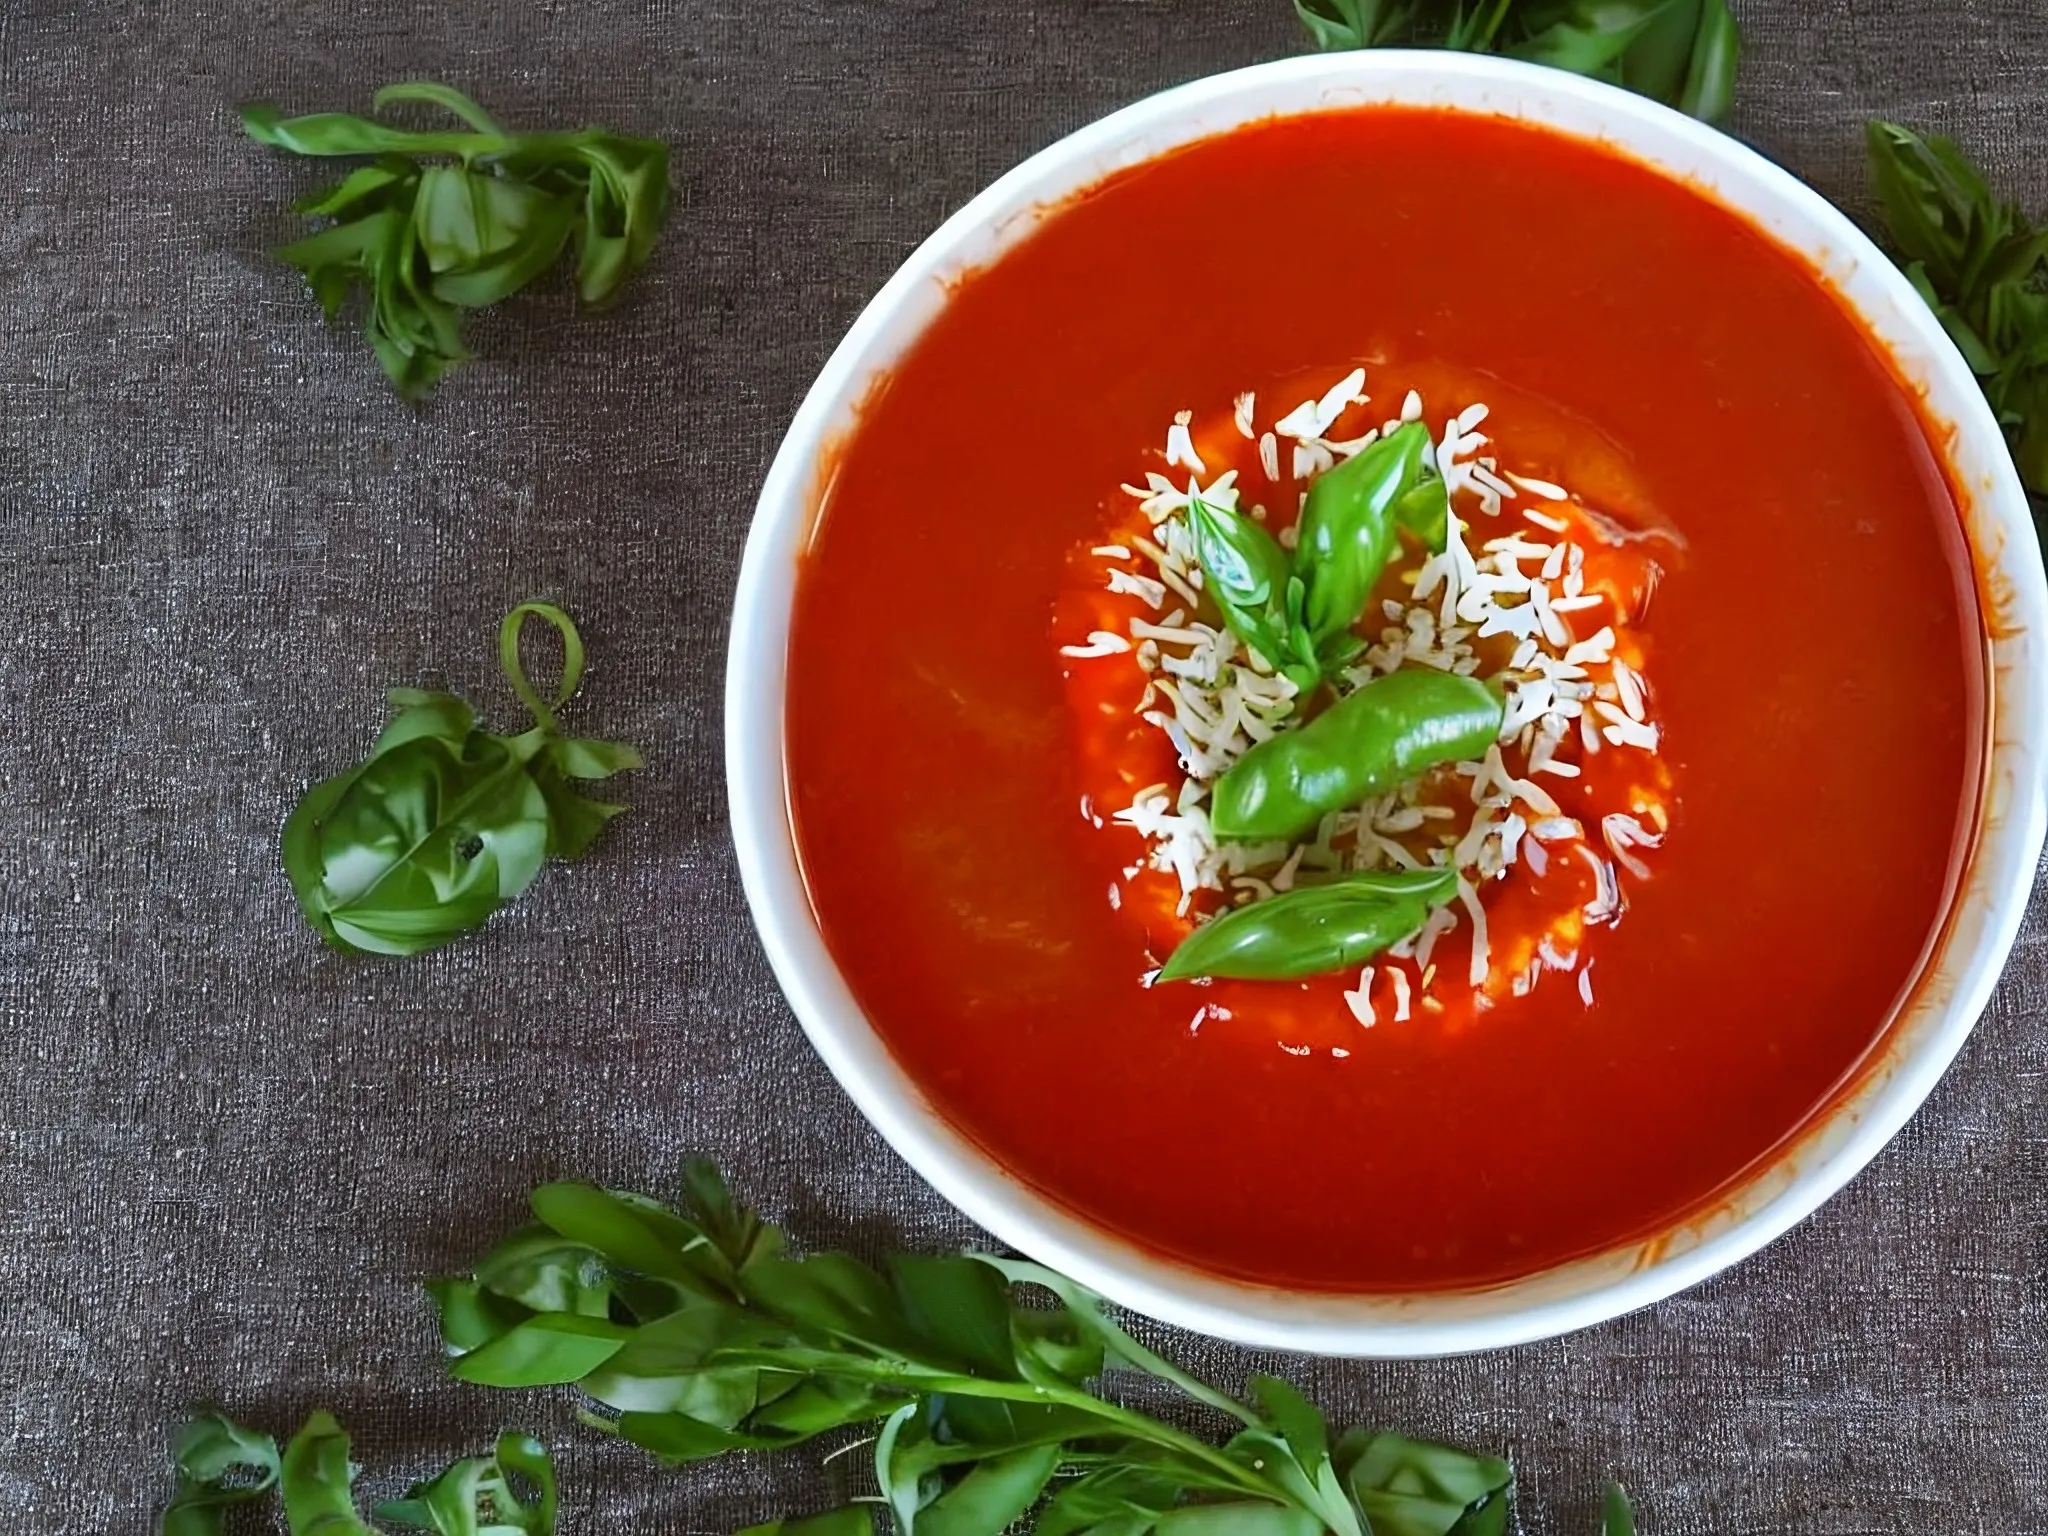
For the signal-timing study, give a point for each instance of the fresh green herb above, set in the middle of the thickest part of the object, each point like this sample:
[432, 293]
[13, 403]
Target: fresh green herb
[1620, 1519]
[1983, 268]
[476, 1497]
[490, 211]
[220, 1463]
[699, 1335]
[1680, 52]
[319, 1480]
[1385, 733]
[1313, 929]
[1298, 615]
[1248, 576]
[1347, 533]
[446, 821]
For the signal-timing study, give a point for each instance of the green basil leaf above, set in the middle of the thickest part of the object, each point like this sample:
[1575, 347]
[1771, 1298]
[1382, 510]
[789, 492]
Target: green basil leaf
[538, 248]
[1347, 530]
[1313, 929]
[740, 1236]
[386, 181]
[551, 1349]
[471, 1316]
[477, 1497]
[992, 1497]
[853, 1520]
[583, 759]
[1407, 1487]
[474, 231]
[632, 1233]
[1245, 573]
[444, 96]
[676, 1438]
[1116, 1497]
[962, 1307]
[1384, 734]
[1239, 1519]
[835, 1295]
[1618, 1519]
[1353, 23]
[220, 1464]
[316, 1478]
[1709, 90]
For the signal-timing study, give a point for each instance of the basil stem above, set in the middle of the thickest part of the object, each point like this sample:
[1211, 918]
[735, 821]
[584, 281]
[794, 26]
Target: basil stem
[1387, 732]
[1313, 929]
[446, 821]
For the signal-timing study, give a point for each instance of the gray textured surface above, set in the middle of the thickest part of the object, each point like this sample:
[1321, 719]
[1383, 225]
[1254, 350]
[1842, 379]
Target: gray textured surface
[226, 1155]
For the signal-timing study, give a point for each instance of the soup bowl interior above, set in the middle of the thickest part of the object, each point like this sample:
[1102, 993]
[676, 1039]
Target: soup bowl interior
[1931, 1022]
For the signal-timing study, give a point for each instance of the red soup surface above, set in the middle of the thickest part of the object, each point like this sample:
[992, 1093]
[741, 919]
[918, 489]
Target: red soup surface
[1816, 677]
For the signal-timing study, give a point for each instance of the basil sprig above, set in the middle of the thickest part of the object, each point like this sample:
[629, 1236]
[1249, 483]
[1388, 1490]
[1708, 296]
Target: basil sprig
[447, 221]
[1680, 52]
[1298, 614]
[1983, 268]
[1314, 929]
[446, 821]
[698, 1335]
[221, 1464]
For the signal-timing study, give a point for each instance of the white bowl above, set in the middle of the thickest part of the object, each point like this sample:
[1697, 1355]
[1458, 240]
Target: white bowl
[1963, 962]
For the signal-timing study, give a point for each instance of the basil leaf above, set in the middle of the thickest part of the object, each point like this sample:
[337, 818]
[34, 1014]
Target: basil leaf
[1246, 574]
[961, 1306]
[471, 1316]
[220, 1464]
[316, 1480]
[548, 1350]
[1383, 734]
[853, 1520]
[1681, 52]
[992, 1497]
[1238, 1519]
[477, 1498]
[425, 239]
[1353, 23]
[1709, 90]
[1313, 929]
[1407, 1487]
[446, 822]
[1347, 531]
[1981, 266]
[1618, 1519]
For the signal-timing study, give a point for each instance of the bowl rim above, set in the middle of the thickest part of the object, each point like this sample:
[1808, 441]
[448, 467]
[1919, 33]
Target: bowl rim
[1838, 1140]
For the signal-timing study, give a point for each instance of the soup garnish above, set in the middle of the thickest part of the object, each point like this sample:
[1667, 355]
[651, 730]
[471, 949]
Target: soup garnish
[1362, 708]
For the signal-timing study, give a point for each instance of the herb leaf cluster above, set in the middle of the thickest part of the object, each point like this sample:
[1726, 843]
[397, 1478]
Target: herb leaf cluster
[1680, 52]
[221, 1464]
[697, 1333]
[1982, 267]
[441, 222]
[446, 821]
[1298, 614]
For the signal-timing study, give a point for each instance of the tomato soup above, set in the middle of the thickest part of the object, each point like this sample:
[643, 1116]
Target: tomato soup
[1815, 655]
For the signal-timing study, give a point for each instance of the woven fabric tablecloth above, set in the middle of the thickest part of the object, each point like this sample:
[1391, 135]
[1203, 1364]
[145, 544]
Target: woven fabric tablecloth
[227, 1156]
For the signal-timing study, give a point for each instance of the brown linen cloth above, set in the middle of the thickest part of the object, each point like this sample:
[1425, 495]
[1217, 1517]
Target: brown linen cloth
[227, 1156]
